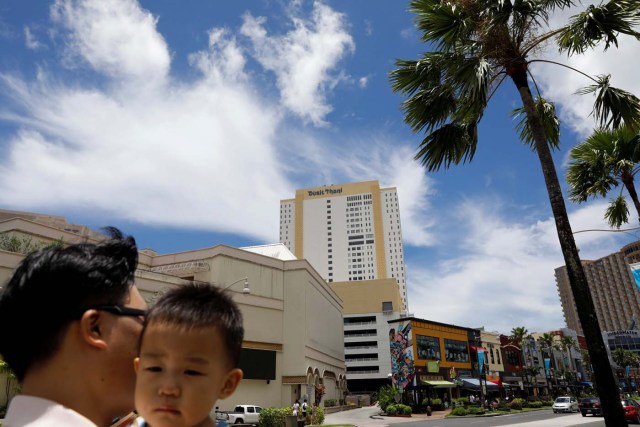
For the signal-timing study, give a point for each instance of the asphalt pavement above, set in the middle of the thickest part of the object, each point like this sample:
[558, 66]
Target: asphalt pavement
[369, 416]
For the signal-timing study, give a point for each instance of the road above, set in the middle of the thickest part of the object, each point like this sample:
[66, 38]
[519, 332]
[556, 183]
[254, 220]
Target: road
[369, 417]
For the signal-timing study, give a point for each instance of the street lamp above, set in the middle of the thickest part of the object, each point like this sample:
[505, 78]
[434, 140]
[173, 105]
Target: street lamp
[245, 290]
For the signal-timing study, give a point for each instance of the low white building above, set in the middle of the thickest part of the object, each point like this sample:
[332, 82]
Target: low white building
[292, 318]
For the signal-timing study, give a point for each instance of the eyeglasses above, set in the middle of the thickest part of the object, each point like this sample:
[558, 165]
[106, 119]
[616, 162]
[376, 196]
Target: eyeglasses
[119, 310]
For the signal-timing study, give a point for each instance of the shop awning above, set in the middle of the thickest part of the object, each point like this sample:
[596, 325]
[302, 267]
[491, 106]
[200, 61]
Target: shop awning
[474, 384]
[478, 348]
[499, 383]
[438, 383]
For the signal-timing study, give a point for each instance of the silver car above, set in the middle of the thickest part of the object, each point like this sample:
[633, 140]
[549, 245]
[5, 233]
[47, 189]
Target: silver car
[565, 404]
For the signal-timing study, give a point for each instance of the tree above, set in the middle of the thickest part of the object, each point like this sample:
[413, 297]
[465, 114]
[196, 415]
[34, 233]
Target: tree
[517, 337]
[12, 386]
[567, 344]
[477, 46]
[603, 161]
[624, 359]
[547, 344]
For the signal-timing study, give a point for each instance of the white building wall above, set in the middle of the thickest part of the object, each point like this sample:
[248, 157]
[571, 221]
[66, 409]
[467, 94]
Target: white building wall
[357, 357]
[288, 224]
[394, 253]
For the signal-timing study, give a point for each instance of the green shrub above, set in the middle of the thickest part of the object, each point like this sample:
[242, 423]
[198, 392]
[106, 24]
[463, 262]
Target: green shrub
[547, 403]
[330, 402]
[516, 403]
[273, 417]
[459, 411]
[318, 416]
[535, 404]
[462, 400]
[387, 396]
[392, 410]
[404, 409]
[475, 410]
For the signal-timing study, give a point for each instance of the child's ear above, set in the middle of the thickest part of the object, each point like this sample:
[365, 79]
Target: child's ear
[136, 364]
[231, 382]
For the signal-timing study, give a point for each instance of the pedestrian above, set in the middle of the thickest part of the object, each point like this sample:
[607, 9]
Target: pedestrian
[296, 407]
[189, 355]
[304, 408]
[70, 319]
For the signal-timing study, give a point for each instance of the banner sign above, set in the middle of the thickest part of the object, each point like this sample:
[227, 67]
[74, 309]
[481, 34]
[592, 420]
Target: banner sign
[547, 365]
[480, 361]
[635, 270]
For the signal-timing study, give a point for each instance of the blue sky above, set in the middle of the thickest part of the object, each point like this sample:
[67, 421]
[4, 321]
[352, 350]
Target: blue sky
[185, 123]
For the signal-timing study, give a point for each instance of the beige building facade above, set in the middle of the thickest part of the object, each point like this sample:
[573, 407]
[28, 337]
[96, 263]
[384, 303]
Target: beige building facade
[615, 294]
[348, 232]
[293, 319]
[368, 306]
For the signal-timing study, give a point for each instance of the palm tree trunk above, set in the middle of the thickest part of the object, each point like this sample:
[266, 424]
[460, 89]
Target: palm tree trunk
[627, 180]
[606, 382]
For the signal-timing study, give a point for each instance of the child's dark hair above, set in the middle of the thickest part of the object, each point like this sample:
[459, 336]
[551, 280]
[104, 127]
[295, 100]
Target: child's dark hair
[197, 305]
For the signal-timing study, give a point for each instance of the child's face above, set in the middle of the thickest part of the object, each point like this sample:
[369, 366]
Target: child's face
[181, 374]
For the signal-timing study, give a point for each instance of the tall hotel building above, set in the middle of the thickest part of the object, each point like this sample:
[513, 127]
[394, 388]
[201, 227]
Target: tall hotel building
[348, 232]
[615, 295]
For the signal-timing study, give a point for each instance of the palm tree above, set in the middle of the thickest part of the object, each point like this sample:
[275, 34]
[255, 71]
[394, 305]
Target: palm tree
[603, 161]
[478, 45]
[518, 335]
[567, 344]
[624, 358]
[547, 344]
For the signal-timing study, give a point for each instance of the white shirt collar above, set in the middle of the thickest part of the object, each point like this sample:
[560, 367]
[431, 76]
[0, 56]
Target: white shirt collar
[26, 411]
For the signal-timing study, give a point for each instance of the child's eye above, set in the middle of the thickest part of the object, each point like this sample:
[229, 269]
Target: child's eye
[191, 372]
[154, 369]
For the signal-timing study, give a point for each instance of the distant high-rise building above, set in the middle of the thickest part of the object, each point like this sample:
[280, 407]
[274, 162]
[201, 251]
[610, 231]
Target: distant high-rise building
[615, 295]
[347, 232]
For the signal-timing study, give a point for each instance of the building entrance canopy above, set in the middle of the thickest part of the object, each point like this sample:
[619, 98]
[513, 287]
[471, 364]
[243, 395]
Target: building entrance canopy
[438, 383]
[474, 384]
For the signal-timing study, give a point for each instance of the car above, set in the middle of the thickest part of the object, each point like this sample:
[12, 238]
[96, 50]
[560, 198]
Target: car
[565, 404]
[631, 410]
[244, 414]
[590, 405]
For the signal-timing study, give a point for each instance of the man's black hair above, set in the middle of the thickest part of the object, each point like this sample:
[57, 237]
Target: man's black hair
[197, 305]
[52, 287]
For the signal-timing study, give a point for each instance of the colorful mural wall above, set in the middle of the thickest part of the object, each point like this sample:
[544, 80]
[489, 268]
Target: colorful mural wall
[401, 346]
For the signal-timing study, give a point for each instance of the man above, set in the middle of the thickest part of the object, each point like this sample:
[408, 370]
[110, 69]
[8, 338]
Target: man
[70, 319]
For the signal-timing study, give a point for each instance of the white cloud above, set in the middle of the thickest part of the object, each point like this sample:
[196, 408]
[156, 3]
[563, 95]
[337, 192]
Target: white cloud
[303, 59]
[199, 154]
[115, 37]
[363, 81]
[559, 84]
[30, 40]
[502, 272]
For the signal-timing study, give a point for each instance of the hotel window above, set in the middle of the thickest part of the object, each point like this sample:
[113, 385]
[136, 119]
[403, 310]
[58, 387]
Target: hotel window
[456, 351]
[428, 347]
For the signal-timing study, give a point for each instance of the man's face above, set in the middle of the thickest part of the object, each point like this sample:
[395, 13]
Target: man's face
[123, 348]
[181, 374]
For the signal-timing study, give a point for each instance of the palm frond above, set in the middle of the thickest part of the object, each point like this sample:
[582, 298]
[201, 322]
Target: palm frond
[617, 213]
[613, 107]
[453, 143]
[600, 23]
[444, 23]
[599, 163]
[550, 122]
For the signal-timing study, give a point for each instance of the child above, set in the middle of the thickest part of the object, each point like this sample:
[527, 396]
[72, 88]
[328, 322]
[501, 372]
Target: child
[189, 353]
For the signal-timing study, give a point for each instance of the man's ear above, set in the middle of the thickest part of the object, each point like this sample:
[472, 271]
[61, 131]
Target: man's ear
[231, 382]
[91, 329]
